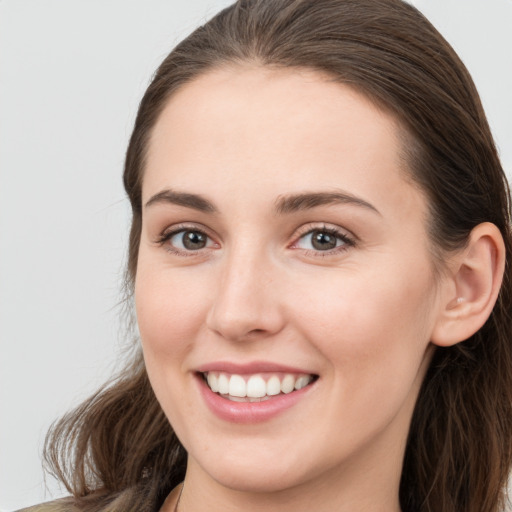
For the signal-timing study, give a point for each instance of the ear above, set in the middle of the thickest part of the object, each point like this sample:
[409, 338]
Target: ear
[471, 286]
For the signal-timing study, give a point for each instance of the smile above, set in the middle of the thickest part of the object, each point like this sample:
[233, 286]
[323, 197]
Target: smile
[257, 387]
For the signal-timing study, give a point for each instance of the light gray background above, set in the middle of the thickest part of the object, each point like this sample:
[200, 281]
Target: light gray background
[71, 75]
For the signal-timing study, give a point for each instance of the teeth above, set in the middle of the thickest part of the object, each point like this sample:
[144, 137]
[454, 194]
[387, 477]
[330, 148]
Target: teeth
[236, 398]
[273, 386]
[213, 382]
[237, 386]
[288, 384]
[255, 388]
[223, 383]
[301, 382]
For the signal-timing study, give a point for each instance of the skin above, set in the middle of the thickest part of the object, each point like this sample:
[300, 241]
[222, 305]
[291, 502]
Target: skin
[361, 316]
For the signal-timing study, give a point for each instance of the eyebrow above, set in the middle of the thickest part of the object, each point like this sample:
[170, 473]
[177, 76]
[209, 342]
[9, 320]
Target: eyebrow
[283, 205]
[193, 201]
[309, 200]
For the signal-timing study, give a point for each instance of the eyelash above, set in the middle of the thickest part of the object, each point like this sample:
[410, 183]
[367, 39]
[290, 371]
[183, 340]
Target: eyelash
[347, 241]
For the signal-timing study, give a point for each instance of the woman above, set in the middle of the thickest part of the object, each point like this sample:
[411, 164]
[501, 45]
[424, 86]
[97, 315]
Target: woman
[318, 260]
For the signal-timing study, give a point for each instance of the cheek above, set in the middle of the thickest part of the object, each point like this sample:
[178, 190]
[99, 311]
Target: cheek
[374, 339]
[170, 312]
[170, 308]
[371, 326]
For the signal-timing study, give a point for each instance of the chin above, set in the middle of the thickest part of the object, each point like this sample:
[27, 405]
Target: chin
[263, 477]
[251, 481]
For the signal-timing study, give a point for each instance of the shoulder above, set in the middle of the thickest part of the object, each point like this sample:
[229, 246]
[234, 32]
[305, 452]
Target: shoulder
[62, 505]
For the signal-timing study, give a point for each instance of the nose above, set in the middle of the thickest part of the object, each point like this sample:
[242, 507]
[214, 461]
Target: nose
[247, 303]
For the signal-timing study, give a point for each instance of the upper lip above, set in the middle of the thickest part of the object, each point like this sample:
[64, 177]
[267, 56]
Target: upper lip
[249, 368]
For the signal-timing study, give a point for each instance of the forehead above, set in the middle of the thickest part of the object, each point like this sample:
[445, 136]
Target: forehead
[263, 130]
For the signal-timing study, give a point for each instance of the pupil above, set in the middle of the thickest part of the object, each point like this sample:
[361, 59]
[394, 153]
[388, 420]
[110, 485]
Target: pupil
[323, 241]
[193, 240]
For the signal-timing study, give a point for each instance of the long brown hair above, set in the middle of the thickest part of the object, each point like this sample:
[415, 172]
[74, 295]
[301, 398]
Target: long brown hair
[117, 451]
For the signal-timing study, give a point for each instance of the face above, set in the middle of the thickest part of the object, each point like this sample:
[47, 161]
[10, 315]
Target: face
[282, 248]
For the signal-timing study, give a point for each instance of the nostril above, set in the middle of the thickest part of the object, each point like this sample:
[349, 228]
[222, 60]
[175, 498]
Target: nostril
[255, 331]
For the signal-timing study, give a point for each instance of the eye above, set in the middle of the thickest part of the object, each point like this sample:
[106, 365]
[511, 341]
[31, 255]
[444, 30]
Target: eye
[189, 240]
[185, 240]
[324, 240]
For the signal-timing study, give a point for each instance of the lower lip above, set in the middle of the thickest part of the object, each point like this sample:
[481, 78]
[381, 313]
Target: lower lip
[250, 412]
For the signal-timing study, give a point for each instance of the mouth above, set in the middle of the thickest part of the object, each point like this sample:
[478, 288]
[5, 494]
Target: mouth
[258, 387]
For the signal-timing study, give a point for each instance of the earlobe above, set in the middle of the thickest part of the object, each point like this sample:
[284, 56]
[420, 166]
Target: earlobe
[470, 292]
